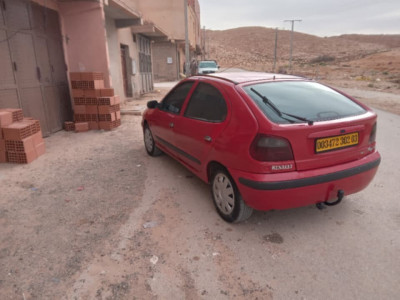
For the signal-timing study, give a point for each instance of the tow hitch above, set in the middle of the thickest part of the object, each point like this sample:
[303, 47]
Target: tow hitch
[340, 195]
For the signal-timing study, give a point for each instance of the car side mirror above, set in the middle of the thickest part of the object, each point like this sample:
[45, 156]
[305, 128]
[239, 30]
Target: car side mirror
[152, 104]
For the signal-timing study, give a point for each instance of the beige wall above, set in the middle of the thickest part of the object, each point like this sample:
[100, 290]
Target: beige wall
[165, 61]
[169, 16]
[85, 37]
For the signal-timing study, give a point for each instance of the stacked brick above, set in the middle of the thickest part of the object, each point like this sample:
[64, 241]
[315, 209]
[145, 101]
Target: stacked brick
[95, 107]
[21, 139]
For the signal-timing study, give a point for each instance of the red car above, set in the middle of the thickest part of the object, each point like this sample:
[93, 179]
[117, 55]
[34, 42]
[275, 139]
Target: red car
[265, 141]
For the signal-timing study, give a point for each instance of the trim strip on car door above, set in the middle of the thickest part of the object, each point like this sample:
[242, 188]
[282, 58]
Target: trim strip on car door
[180, 151]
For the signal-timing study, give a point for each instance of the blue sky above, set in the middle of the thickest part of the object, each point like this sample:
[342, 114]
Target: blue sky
[319, 17]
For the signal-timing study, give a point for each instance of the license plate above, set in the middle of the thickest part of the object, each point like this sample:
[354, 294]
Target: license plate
[336, 142]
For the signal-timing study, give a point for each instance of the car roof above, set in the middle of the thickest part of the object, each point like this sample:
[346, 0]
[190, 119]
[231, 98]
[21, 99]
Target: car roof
[246, 77]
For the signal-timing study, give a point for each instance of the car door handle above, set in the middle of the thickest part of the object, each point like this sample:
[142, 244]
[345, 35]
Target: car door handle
[171, 125]
[208, 138]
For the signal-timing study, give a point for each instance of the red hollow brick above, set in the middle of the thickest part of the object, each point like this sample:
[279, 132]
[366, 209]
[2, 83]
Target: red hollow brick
[79, 109]
[93, 125]
[6, 118]
[3, 156]
[109, 125]
[38, 138]
[108, 92]
[80, 117]
[108, 109]
[106, 101]
[17, 113]
[92, 109]
[21, 157]
[2, 145]
[81, 126]
[75, 76]
[79, 101]
[69, 126]
[107, 117]
[92, 76]
[87, 84]
[25, 145]
[20, 130]
[77, 93]
[40, 149]
[92, 93]
[91, 101]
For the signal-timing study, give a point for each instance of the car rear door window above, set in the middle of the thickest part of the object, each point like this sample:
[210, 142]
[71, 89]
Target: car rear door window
[174, 100]
[305, 99]
[206, 104]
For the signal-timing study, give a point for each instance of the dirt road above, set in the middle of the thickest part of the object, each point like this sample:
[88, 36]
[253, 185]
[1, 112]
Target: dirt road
[96, 218]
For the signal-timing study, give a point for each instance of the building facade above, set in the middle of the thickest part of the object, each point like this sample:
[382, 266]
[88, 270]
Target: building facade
[41, 41]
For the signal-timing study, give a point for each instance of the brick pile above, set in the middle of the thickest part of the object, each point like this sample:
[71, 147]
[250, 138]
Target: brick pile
[95, 107]
[21, 139]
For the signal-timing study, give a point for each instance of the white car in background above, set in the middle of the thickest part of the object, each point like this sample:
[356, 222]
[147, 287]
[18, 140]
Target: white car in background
[207, 67]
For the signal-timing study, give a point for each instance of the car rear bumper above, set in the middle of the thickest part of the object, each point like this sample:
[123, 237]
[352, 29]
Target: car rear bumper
[295, 189]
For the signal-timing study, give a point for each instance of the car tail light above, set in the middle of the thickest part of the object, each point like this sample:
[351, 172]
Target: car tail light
[271, 148]
[372, 136]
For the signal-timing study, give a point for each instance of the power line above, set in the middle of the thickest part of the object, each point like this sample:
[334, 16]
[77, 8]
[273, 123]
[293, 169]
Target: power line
[291, 41]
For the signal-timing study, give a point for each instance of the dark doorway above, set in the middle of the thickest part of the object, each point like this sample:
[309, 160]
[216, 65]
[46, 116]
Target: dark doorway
[126, 62]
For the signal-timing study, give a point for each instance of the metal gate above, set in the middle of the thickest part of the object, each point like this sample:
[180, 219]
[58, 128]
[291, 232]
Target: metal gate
[145, 65]
[33, 71]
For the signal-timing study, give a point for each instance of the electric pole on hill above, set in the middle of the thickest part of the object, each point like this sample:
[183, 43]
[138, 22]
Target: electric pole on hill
[275, 48]
[291, 41]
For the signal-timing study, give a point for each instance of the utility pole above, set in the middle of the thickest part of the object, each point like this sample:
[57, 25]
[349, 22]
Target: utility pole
[291, 41]
[187, 58]
[204, 43]
[275, 49]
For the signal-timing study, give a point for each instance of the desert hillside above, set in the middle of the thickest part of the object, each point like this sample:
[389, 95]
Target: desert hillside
[370, 60]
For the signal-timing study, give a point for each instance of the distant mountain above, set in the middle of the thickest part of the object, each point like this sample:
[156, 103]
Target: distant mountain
[253, 47]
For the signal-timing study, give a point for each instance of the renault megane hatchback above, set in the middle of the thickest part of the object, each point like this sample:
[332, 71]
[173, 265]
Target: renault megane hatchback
[265, 141]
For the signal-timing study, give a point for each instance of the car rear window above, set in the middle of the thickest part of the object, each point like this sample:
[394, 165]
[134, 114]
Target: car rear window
[207, 64]
[308, 100]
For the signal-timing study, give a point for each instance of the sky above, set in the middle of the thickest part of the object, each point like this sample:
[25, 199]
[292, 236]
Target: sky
[319, 17]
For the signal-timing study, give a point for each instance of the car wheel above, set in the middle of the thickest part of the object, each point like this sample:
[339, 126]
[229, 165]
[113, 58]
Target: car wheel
[227, 199]
[149, 143]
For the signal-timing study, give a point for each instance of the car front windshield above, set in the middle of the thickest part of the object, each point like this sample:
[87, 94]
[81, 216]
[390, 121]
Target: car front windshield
[207, 64]
[308, 100]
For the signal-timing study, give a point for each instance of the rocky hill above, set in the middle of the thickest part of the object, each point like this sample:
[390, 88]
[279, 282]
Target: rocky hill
[253, 48]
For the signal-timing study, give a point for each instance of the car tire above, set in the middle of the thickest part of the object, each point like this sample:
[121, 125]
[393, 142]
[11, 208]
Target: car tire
[227, 199]
[149, 143]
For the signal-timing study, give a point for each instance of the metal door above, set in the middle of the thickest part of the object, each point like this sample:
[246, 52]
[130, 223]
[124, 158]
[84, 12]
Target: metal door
[33, 73]
[145, 64]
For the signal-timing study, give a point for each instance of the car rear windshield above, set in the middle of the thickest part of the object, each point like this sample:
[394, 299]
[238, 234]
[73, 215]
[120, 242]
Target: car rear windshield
[207, 64]
[293, 101]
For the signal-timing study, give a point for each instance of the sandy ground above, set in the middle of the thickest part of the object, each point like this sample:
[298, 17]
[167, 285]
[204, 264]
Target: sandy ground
[96, 218]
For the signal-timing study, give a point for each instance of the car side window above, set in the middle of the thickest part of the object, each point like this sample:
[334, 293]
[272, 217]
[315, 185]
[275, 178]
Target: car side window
[174, 100]
[206, 104]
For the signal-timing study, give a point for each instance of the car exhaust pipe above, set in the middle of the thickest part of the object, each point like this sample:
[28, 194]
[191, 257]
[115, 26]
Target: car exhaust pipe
[340, 195]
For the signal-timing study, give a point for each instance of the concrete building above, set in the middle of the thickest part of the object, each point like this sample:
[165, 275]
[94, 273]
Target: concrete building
[41, 41]
[169, 54]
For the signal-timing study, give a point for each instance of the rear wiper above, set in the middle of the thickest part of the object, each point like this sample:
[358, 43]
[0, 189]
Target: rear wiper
[310, 122]
[278, 112]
